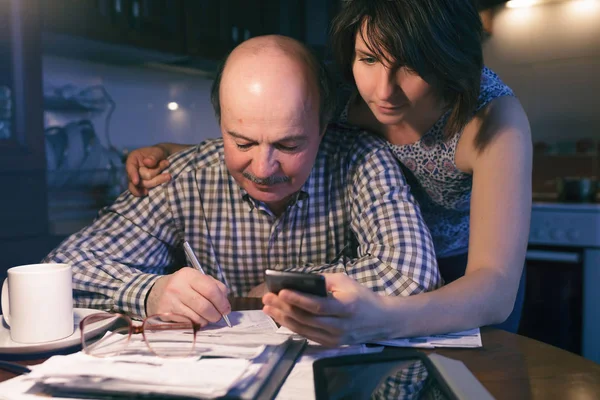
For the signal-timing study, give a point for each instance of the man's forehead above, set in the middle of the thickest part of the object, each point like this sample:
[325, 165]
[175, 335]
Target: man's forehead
[274, 100]
[271, 104]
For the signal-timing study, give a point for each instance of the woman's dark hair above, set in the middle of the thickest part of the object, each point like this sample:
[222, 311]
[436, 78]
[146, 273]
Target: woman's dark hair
[327, 98]
[438, 39]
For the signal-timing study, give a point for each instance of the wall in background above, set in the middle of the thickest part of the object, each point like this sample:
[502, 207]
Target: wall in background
[550, 55]
[141, 95]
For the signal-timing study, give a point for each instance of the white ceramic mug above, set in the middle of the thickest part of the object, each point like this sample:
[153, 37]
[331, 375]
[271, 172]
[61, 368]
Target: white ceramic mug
[37, 302]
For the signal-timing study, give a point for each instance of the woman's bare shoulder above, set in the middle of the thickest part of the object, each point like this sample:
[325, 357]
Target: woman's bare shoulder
[503, 119]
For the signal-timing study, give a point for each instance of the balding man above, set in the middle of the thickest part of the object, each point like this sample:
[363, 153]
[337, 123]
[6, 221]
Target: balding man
[277, 191]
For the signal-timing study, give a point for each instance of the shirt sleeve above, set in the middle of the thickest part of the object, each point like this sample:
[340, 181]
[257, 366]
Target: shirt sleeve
[395, 250]
[117, 259]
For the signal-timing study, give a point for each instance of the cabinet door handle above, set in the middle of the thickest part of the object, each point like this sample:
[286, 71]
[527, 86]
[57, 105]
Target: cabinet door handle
[5, 112]
[246, 34]
[234, 34]
[553, 256]
[135, 9]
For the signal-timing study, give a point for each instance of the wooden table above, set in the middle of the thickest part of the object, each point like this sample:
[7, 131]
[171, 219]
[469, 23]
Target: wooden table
[509, 366]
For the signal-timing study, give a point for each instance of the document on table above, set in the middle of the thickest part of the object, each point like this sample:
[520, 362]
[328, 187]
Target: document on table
[465, 339]
[249, 328]
[137, 350]
[300, 384]
[250, 321]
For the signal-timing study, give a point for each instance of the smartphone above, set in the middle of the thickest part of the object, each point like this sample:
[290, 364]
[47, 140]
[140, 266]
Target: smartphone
[299, 281]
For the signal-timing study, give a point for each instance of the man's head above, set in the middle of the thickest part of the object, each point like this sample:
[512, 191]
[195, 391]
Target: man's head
[273, 99]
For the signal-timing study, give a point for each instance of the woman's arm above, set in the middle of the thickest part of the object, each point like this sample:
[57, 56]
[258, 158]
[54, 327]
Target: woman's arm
[499, 154]
[144, 166]
[500, 158]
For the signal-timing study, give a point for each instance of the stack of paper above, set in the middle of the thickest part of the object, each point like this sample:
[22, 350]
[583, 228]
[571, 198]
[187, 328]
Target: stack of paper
[240, 357]
[227, 360]
[201, 378]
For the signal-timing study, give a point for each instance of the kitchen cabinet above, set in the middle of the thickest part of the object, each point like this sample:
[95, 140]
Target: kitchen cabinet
[152, 24]
[191, 29]
[319, 15]
[22, 151]
[214, 28]
[23, 203]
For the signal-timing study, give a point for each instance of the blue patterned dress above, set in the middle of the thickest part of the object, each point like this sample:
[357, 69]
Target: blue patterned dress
[442, 190]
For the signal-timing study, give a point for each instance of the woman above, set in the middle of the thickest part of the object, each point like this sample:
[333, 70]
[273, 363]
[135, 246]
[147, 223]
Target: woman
[416, 78]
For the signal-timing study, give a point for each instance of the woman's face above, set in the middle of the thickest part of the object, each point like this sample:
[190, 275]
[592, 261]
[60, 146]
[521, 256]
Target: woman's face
[393, 95]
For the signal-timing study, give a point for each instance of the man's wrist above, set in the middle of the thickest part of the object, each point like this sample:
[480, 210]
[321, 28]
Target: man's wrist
[146, 300]
[133, 295]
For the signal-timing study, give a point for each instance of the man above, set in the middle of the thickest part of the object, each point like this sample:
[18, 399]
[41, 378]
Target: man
[275, 192]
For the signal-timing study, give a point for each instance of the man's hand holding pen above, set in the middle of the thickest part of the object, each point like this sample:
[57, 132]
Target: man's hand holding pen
[189, 292]
[189, 253]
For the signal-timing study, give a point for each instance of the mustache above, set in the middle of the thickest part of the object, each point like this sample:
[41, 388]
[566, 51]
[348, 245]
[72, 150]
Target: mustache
[271, 180]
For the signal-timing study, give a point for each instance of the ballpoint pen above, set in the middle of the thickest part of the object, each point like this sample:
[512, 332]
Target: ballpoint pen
[196, 264]
[14, 368]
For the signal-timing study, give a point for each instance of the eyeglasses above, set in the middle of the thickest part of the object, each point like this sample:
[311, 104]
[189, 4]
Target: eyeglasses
[166, 335]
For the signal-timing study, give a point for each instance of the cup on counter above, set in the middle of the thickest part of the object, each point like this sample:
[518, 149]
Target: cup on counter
[37, 302]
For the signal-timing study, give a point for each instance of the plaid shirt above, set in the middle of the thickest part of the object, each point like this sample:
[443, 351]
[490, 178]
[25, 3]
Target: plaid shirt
[355, 214]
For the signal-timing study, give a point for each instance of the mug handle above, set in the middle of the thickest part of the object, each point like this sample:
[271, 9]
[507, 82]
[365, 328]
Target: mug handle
[5, 303]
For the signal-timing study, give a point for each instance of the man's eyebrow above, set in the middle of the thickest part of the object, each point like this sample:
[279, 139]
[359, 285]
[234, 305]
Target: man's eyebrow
[290, 138]
[239, 136]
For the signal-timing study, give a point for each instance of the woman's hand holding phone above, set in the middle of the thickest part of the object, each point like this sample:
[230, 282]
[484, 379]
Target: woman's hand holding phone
[350, 314]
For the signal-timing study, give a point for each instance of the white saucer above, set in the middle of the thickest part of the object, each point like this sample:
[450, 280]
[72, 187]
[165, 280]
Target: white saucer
[8, 346]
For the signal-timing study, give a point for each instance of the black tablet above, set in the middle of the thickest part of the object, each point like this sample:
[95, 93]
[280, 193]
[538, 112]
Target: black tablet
[395, 374]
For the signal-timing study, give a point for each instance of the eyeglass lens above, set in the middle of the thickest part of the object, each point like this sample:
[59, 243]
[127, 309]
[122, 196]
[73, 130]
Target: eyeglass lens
[166, 335]
[105, 335]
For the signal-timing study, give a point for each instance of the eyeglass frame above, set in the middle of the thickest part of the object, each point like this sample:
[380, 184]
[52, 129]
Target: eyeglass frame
[136, 329]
